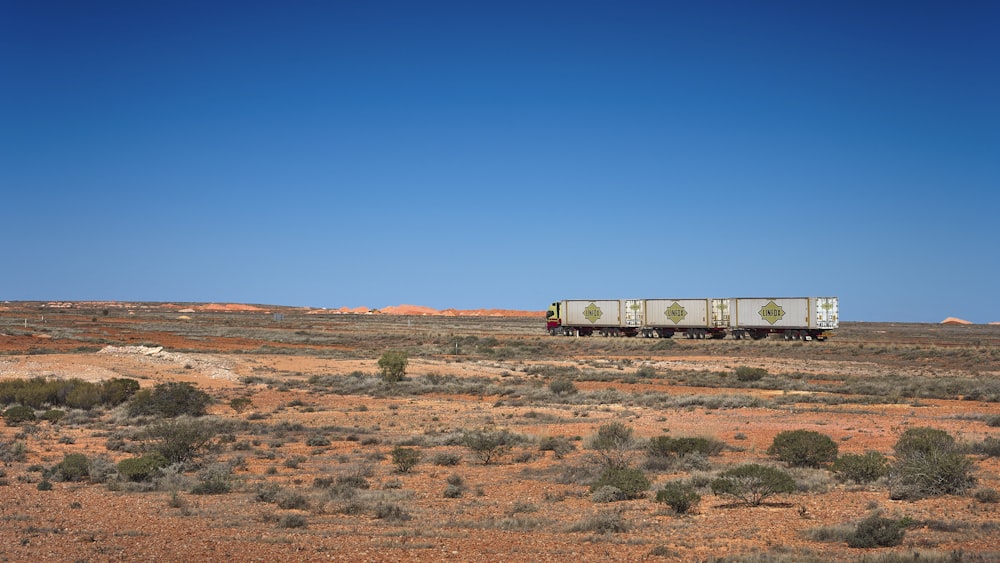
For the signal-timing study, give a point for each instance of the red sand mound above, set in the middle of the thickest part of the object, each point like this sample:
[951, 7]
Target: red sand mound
[229, 307]
[955, 321]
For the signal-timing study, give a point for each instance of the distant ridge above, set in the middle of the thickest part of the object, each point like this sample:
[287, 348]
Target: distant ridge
[955, 321]
[419, 310]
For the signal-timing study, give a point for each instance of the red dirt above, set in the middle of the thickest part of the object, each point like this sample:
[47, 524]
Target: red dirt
[513, 510]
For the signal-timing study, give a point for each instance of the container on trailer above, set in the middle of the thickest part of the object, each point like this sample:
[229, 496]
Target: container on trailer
[592, 313]
[678, 313]
[784, 312]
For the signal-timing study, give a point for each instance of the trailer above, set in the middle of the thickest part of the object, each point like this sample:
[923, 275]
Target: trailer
[795, 318]
[583, 317]
[695, 318]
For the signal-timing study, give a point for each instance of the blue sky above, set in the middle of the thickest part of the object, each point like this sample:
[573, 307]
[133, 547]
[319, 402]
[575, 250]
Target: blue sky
[503, 154]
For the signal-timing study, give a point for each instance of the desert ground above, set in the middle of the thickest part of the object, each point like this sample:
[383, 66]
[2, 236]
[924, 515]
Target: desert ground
[304, 451]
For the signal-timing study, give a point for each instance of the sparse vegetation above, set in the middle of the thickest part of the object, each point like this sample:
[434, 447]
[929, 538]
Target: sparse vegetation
[681, 496]
[630, 481]
[803, 448]
[405, 459]
[392, 365]
[861, 468]
[876, 531]
[752, 483]
[746, 373]
[73, 467]
[614, 444]
[169, 400]
[15, 416]
[928, 463]
[488, 445]
[319, 459]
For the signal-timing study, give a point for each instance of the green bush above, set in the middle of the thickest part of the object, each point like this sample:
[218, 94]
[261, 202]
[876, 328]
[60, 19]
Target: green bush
[558, 446]
[607, 493]
[180, 440]
[210, 488]
[746, 373]
[240, 404]
[803, 448]
[170, 400]
[488, 445]
[13, 451]
[143, 468]
[73, 467]
[405, 459]
[213, 480]
[861, 468]
[876, 531]
[317, 441]
[603, 522]
[446, 459]
[15, 416]
[928, 463]
[679, 495]
[752, 483]
[562, 386]
[53, 415]
[292, 521]
[630, 481]
[391, 512]
[117, 391]
[986, 495]
[614, 444]
[393, 364]
[666, 446]
[74, 393]
[923, 439]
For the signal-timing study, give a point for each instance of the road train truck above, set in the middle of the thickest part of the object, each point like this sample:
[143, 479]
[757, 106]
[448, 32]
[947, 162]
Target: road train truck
[794, 318]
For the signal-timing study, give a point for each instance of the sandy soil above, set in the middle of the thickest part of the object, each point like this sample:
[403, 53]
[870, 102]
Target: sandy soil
[519, 508]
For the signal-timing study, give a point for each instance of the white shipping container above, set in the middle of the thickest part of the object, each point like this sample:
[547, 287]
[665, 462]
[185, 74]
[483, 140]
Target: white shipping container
[785, 312]
[827, 312]
[596, 313]
[677, 313]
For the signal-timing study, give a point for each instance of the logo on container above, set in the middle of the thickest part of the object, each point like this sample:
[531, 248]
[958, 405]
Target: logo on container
[592, 313]
[676, 312]
[772, 312]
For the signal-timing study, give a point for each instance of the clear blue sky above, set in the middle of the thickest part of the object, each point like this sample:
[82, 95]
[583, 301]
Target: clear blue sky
[503, 154]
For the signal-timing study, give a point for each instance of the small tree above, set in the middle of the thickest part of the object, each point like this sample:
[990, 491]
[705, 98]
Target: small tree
[392, 364]
[405, 459]
[865, 468]
[679, 495]
[180, 440]
[803, 448]
[752, 483]
[632, 482]
[487, 444]
[614, 444]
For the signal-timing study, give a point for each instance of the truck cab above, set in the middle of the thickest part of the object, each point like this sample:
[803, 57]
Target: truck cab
[553, 318]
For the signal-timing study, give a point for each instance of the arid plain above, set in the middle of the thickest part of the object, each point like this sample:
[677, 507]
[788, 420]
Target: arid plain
[301, 460]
